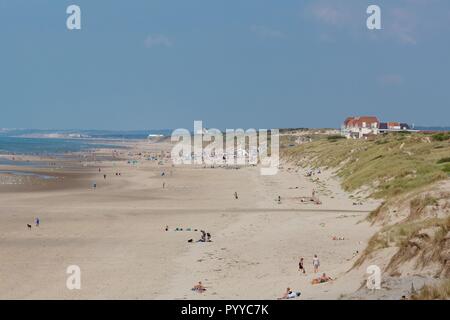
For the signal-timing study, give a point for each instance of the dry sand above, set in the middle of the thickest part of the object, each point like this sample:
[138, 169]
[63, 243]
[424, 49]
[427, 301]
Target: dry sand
[115, 233]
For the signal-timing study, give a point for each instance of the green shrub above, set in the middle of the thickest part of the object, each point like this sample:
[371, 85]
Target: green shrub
[443, 136]
[446, 168]
[444, 160]
[334, 138]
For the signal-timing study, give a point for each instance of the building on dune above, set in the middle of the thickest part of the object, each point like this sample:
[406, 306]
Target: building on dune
[360, 127]
[365, 127]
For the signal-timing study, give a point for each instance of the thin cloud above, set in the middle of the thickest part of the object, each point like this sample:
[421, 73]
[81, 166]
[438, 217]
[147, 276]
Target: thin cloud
[403, 26]
[332, 13]
[328, 14]
[158, 40]
[407, 22]
[391, 80]
[266, 32]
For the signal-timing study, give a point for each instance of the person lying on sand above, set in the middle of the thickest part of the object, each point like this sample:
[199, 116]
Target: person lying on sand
[322, 279]
[289, 294]
[199, 288]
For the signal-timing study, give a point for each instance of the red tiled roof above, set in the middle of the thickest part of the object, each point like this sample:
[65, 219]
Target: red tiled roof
[358, 121]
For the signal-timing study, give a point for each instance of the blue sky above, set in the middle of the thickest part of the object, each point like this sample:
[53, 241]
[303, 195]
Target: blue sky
[143, 64]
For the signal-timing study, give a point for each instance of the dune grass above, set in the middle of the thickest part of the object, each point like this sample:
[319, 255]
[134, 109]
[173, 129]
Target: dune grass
[399, 235]
[391, 164]
[438, 292]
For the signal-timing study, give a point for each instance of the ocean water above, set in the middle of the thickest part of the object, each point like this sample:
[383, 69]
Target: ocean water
[46, 146]
[54, 142]
[28, 174]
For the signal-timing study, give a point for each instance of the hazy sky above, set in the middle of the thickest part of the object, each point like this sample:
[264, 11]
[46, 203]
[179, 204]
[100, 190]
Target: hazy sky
[144, 64]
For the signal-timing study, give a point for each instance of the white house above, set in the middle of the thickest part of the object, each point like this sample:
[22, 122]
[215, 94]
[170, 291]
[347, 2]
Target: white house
[360, 127]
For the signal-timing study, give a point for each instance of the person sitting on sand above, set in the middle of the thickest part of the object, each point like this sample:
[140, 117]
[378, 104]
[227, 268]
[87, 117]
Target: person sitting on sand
[208, 237]
[289, 294]
[203, 237]
[199, 288]
[322, 279]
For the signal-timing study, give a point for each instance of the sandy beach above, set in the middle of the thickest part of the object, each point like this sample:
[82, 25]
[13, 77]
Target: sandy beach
[116, 232]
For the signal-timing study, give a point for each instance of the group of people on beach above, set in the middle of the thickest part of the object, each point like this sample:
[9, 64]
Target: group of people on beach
[311, 173]
[206, 236]
[315, 263]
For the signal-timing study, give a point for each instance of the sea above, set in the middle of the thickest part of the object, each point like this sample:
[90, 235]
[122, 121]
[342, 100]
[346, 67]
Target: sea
[51, 142]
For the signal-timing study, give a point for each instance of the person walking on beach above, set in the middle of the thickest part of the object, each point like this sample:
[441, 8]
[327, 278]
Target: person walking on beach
[236, 195]
[301, 267]
[37, 221]
[316, 263]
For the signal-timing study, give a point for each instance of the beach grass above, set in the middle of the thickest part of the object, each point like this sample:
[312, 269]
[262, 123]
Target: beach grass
[401, 234]
[436, 292]
[391, 165]
[398, 168]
